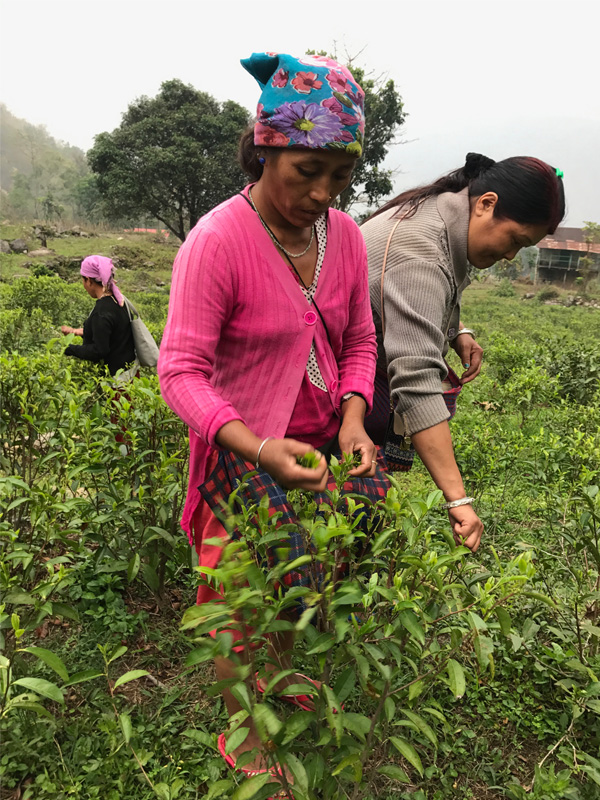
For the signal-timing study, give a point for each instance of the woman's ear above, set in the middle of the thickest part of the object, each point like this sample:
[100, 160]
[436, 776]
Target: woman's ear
[485, 204]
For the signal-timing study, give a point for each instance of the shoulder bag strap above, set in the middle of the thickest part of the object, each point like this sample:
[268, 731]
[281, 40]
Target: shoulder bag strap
[131, 309]
[385, 255]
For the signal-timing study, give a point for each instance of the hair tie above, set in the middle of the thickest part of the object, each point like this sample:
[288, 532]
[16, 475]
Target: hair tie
[559, 173]
[475, 164]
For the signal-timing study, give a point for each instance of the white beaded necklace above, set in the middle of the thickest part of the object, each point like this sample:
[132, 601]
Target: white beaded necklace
[276, 240]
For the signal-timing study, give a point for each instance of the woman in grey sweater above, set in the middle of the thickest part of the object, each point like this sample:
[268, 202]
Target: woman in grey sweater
[419, 247]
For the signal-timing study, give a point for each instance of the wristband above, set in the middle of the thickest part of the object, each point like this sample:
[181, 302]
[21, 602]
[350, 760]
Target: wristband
[348, 395]
[464, 501]
[262, 444]
[465, 330]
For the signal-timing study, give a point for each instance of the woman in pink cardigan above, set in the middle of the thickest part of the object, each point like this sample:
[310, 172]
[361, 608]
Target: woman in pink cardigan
[269, 349]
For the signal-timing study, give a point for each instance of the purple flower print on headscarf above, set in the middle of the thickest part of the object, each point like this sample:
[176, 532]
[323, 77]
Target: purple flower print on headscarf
[102, 269]
[308, 124]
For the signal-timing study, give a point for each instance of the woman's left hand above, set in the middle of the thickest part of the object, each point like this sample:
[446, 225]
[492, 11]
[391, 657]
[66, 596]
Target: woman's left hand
[354, 439]
[470, 354]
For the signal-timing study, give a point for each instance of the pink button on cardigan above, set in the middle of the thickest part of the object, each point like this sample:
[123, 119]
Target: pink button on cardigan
[239, 329]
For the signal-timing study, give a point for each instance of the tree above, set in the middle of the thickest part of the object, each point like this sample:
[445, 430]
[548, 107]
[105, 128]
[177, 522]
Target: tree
[86, 199]
[173, 157]
[508, 269]
[384, 114]
[51, 208]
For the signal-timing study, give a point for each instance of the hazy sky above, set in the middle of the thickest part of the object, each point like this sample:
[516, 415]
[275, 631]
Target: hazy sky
[502, 78]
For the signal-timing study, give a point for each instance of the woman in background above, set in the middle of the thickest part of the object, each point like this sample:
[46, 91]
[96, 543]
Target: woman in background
[107, 334]
[419, 246]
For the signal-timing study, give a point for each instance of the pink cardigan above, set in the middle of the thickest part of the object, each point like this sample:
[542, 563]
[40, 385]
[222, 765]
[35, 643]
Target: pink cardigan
[239, 330]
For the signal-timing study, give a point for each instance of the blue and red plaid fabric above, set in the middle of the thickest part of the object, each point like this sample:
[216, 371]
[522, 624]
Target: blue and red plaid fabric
[229, 474]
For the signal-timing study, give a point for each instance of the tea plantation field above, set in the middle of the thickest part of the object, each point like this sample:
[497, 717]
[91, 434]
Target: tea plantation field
[460, 676]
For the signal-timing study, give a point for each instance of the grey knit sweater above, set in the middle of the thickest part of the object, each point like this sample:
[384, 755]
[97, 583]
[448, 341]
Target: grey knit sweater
[425, 275]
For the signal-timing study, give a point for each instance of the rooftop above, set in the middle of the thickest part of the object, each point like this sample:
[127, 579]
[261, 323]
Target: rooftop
[568, 239]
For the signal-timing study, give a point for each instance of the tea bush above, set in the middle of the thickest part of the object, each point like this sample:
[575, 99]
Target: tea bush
[445, 675]
[61, 302]
[547, 293]
[505, 289]
[408, 626]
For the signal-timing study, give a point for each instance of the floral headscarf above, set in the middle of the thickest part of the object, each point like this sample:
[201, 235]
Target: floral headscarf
[307, 102]
[102, 269]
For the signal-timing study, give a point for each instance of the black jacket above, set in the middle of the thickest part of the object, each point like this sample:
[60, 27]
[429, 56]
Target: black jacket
[107, 336]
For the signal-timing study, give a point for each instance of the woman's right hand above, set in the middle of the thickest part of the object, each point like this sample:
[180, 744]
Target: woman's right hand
[65, 330]
[278, 458]
[466, 527]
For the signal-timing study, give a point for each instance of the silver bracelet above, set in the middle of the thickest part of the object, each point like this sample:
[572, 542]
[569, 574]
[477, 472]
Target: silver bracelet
[466, 330]
[464, 501]
[262, 444]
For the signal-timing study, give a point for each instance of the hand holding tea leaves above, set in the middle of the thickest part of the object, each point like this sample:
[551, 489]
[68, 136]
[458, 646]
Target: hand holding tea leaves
[310, 460]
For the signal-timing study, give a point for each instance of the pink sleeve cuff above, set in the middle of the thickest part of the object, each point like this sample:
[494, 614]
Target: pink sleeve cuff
[354, 384]
[213, 425]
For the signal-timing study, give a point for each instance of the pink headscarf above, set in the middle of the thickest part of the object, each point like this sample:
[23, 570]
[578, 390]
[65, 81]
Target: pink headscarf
[102, 269]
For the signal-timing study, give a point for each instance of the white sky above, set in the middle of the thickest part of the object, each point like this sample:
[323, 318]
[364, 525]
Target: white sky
[493, 76]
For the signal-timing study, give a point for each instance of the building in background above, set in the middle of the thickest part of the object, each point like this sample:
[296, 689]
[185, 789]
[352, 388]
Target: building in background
[560, 256]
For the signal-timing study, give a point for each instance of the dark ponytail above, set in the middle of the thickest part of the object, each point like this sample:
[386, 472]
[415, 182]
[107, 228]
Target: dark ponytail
[529, 191]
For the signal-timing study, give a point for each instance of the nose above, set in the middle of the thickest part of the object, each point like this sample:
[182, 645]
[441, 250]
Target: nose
[321, 192]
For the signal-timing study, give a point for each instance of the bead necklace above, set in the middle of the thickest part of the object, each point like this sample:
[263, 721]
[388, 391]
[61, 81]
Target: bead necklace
[276, 240]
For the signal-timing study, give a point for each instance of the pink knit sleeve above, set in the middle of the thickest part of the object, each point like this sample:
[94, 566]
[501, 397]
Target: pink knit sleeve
[201, 301]
[359, 352]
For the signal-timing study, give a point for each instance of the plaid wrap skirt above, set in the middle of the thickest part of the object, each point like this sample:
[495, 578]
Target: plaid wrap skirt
[229, 473]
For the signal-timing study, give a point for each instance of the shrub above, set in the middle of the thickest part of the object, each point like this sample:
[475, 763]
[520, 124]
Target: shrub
[505, 289]
[547, 293]
[577, 368]
[60, 302]
[25, 331]
[97, 471]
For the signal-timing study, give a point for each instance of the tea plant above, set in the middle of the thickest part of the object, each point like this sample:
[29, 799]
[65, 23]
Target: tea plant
[392, 634]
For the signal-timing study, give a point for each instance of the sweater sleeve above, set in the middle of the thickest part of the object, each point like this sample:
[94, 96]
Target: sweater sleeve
[98, 346]
[416, 294]
[357, 360]
[201, 301]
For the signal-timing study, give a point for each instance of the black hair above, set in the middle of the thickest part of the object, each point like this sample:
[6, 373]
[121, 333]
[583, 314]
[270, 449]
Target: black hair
[529, 191]
[93, 280]
[248, 154]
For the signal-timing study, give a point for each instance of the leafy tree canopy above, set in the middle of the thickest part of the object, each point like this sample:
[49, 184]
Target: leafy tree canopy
[173, 157]
[591, 232]
[384, 113]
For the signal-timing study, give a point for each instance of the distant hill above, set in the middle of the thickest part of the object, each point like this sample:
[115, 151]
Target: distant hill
[40, 177]
[27, 148]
